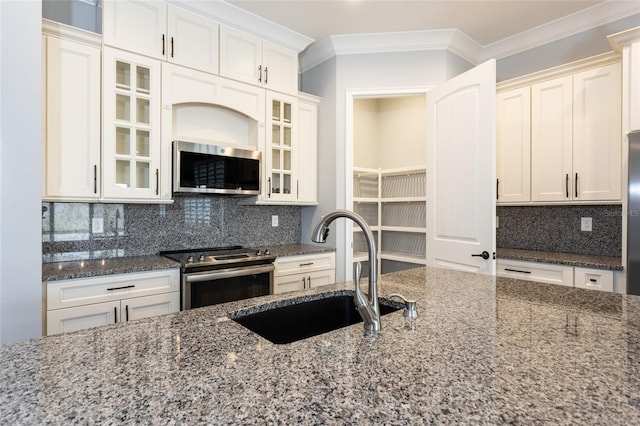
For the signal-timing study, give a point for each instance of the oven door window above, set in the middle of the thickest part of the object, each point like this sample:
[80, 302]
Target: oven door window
[224, 290]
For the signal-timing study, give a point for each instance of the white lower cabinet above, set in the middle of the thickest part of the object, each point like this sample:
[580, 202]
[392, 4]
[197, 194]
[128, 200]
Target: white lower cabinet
[534, 271]
[89, 302]
[588, 278]
[294, 273]
[593, 279]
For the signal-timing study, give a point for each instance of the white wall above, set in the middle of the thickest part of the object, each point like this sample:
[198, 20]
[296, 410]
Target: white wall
[579, 46]
[20, 174]
[402, 132]
[365, 133]
[389, 132]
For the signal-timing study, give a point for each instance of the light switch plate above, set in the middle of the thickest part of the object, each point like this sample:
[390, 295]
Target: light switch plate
[586, 224]
[274, 220]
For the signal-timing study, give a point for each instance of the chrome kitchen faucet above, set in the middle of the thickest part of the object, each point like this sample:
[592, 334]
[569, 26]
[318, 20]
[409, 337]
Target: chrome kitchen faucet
[369, 310]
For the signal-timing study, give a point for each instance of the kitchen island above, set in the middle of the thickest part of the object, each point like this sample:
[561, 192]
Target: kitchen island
[484, 350]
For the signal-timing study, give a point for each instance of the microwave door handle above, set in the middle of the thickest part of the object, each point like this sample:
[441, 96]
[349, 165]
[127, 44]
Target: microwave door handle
[228, 273]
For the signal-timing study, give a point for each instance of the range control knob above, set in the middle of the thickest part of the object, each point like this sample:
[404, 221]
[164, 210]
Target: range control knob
[201, 258]
[259, 253]
[190, 259]
[266, 252]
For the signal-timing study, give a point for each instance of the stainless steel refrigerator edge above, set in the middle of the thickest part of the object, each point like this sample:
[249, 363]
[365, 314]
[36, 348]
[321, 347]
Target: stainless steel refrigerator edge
[633, 216]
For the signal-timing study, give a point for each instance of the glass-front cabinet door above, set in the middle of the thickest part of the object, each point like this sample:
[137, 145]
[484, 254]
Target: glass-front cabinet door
[280, 164]
[131, 127]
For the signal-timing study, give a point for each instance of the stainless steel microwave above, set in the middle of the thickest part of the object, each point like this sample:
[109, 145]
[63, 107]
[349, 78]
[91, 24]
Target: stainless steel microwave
[213, 169]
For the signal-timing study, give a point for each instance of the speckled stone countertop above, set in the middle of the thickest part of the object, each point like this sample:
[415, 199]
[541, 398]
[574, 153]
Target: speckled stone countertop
[580, 260]
[120, 265]
[484, 350]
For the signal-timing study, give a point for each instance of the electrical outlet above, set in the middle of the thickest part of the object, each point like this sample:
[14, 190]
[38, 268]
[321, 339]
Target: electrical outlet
[97, 225]
[586, 224]
[274, 220]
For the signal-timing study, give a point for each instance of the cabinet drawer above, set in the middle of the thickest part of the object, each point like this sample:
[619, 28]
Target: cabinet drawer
[84, 291]
[305, 263]
[594, 279]
[534, 271]
[81, 317]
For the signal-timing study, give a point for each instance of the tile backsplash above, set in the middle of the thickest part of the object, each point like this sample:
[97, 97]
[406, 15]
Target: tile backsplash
[557, 229]
[144, 229]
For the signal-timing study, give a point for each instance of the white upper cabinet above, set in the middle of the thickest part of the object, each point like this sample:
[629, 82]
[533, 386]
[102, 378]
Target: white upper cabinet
[551, 140]
[161, 31]
[249, 59]
[513, 145]
[564, 132]
[131, 126]
[597, 134]
[71, 119]
[307, 150]
[280, 162]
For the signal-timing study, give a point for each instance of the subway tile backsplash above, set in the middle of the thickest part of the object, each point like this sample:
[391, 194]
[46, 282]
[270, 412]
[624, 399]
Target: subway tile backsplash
[557, 229]
[145, 229]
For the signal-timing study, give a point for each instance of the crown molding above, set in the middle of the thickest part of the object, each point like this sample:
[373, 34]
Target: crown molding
[57, 29]
[233, 16]
[559, 71]
[618, 40]
[464, 46]
[452, 40]
[599, 14]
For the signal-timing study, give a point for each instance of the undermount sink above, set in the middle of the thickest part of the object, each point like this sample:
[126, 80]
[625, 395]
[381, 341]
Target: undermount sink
[302, 318]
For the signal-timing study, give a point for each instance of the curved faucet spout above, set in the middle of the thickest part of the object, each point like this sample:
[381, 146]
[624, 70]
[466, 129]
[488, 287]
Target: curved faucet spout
[368, 309]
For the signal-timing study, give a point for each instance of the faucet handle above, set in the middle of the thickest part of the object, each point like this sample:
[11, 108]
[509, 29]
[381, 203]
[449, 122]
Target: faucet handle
[410, 305]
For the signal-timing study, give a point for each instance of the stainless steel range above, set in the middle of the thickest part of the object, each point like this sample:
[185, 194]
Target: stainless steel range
[222, 274]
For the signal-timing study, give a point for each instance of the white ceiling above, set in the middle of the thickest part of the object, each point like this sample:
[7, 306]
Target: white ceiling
[486, 22]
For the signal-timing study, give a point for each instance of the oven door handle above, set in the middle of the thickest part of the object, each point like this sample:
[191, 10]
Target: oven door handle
[228, 273]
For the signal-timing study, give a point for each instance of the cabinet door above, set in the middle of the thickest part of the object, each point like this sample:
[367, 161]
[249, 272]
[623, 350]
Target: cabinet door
[80, 317]
[136, 25]
[149, 306]
[307, 126]
[240, 56]
[597, 134]
[294, 282]
[280, 68]
[321, 278]
[71, 137]
[131, 126]
[551, 140]
[281, 145]
[513, 145]
[193, 40]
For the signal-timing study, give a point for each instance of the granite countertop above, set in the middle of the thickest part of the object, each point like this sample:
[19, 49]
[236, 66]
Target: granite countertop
[484, 350]
[579, 260]
[120, 265]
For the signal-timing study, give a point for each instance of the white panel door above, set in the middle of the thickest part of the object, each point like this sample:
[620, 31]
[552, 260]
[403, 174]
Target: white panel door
[280, 68]
[461, 159]
[513, 145]
[72, 131]
[149, 306]
[551, 140]
[240, 56]
[193, 40]
[597, 134]
[80, 317]
[136, 25]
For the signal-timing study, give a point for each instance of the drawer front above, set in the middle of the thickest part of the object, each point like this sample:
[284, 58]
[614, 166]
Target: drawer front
[594, 279]
[84, 291]
[306, 263]
[534, 271]
[286, 283]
